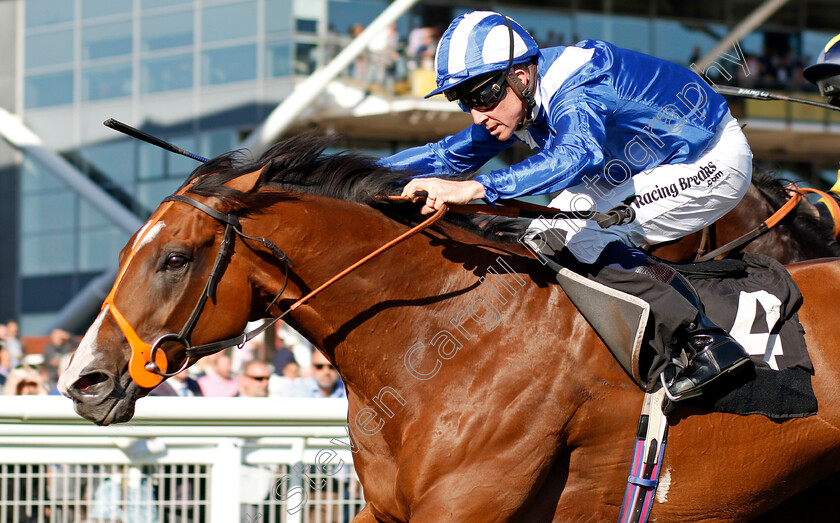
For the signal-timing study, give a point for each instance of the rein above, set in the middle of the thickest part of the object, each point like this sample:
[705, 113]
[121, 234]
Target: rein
[618, 215]
[796, 196]
[148, 363]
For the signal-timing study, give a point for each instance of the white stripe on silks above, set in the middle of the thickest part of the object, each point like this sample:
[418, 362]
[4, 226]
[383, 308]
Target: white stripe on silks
[460, 39]
[572, 59]
[501, 51]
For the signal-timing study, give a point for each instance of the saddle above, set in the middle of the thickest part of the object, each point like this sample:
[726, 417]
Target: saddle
[752, 296]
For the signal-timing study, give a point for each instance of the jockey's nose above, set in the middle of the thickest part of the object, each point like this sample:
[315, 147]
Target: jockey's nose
[478, 117]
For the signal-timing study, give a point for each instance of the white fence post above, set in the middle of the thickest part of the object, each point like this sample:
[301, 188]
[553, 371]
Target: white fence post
[224, 481]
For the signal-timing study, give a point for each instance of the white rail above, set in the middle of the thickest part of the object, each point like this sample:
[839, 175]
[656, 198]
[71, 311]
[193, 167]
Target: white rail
[179, 459]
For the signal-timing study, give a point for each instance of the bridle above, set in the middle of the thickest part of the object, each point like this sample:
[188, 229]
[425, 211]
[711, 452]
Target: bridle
[148, 364]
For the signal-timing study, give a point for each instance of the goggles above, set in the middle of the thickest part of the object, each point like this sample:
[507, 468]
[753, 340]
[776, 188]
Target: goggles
[829, 86]
[483, 97]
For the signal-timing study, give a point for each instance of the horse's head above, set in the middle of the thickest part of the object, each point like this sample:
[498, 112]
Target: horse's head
[169, 297]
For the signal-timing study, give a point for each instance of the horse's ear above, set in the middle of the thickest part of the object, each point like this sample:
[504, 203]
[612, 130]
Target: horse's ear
[247, 182]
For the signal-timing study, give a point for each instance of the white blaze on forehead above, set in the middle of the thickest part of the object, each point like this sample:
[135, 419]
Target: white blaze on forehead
[84, 355]
[145, 237]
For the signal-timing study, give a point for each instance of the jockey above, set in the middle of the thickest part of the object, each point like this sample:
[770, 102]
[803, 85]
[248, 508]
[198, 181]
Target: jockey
[826, 72]
[826, 75]
[609, 126]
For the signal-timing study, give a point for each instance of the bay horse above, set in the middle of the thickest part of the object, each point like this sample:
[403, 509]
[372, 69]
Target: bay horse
[797, 237]
[476, 390]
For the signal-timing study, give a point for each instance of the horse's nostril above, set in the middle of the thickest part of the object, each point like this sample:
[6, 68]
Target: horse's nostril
[84, 383]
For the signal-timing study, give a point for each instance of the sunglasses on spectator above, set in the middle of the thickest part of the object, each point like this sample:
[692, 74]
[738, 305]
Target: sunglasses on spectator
[259, 378]
[483, 97]
[321, 366]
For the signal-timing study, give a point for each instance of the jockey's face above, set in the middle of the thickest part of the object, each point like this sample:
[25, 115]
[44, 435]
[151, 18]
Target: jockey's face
[503, 119]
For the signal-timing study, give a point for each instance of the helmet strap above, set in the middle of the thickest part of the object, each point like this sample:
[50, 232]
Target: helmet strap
[525, 93]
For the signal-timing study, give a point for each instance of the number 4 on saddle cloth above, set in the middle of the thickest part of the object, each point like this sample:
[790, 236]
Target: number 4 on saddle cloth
[752, 296]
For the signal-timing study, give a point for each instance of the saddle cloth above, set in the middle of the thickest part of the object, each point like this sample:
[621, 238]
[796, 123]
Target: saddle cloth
[753, 297]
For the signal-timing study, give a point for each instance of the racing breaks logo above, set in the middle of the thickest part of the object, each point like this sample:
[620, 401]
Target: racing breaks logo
[707, 175]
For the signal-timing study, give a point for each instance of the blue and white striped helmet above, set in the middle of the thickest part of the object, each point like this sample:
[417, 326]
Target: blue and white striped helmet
[478, 43]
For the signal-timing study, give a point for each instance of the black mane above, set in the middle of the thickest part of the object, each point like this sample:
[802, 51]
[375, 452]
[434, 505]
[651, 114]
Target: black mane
[300, 164]
[808, 228]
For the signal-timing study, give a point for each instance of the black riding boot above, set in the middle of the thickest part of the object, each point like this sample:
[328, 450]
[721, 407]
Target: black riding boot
[711, 351]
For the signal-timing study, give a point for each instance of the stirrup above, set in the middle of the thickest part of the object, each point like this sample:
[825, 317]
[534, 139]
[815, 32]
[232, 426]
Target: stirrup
[675, 398]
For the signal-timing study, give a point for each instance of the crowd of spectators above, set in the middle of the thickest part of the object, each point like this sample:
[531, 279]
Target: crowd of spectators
[388, 63]
[772, 69]
[296, 369]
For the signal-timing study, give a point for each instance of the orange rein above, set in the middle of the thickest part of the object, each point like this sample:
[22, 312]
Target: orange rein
[141, 351]
[409, 233]
[830, 202]
[796, 196]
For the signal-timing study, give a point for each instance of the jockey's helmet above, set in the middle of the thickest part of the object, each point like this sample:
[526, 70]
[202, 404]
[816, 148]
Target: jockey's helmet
[474, 46]
[826, 72]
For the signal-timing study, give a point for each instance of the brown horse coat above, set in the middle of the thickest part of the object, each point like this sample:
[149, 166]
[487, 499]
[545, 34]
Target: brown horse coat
[476, 391]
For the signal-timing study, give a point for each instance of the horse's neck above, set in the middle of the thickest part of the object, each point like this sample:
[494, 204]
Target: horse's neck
[411, 309]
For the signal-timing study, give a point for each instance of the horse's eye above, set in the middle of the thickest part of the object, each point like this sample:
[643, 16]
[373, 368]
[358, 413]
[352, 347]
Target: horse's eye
[176, 261]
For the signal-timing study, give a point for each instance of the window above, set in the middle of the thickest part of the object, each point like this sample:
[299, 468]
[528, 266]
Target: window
[343, 15]
[629, 32]
[44, 12]
[150, 161]
[547, 27]
[47, 253]
[278, 58]
[112, 81]
[230, 64]
[166, 31]
[166, 74]
[813, 43]
[181, 166]
[102, 41]
[214, 143]
[305, 25]
[97, 8]
[48, 212]
[113, 159]
[90, 217]
[278, 16]
[305, 58]
[151, 194]
[676, 41]
[46, 90]
[226, 22]
[99, 249]
[152, 4]
[36, 178]
[49, 49]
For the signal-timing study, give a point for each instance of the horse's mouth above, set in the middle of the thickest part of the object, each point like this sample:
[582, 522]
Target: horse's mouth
[104, 400]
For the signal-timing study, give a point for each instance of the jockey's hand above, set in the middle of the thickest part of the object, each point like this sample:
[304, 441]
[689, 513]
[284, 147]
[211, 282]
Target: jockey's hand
[443, 191]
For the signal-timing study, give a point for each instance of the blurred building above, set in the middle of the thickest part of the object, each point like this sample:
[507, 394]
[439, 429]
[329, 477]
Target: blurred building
[203, 74]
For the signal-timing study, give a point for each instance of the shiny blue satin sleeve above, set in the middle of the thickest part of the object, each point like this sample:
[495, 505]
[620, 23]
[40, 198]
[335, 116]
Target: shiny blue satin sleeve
[460, 153]
[579, 119]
